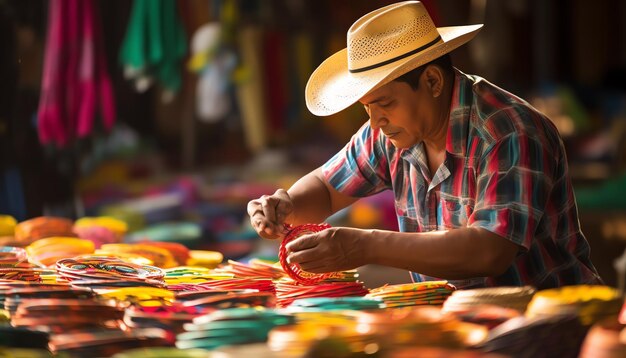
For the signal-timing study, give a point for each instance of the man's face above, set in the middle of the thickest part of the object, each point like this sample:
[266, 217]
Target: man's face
[403, 114]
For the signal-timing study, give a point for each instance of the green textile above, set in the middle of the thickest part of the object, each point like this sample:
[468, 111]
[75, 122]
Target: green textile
[155, 43]
[610, 195]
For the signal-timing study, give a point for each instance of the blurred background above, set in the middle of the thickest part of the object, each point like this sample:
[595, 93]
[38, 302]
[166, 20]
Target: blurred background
[172, 115]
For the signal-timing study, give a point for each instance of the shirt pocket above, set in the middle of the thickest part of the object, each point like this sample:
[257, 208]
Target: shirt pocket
[407, 217]
[455, 211]
[403, 209]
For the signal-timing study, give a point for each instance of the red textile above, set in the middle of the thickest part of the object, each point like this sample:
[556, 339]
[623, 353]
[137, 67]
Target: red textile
[75, 79]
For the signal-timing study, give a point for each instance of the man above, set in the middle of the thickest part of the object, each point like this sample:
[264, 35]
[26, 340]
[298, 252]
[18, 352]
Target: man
[480, 177]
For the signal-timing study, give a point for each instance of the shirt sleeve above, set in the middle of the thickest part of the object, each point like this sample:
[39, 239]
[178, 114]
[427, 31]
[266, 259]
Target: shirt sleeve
[513, 183]
[360, 169]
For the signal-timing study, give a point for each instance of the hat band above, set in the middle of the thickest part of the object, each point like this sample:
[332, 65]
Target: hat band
[412, 52]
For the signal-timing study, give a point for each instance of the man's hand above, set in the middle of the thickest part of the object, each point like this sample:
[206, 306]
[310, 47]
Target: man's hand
[269, 213]
[330, 250]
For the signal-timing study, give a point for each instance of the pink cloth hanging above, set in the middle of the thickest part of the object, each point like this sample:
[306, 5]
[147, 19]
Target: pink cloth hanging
[75, 79]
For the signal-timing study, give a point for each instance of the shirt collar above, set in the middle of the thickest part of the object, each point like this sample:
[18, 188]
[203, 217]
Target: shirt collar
[458, 125]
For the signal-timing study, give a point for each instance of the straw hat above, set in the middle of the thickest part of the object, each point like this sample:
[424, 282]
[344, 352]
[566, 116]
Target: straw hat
[382, 45]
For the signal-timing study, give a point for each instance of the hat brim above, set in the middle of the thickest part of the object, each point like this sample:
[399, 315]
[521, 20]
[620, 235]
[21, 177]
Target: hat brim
[332, 88]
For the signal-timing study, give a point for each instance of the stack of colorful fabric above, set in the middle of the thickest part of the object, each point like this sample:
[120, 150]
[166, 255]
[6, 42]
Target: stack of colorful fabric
[17, 294]
[590, 303]
[107, 342]
[183, 278]
[7, 285]
[420, 326]
[316, 332]
[516, 298]
[160, 257]
[12, 256]
[22, 272]
[14, 265]
[34, 229]
[108, 272]
[100, 230]
[260, 284]
[413, 294]
[231, 326]
[343, 285]
[256, 268]
[205, 258]
[46, 252]
[139, 296]
[78, 323]
[333, 303]
[489, 316]
[7, 229]
[169, 317]
[488, 306]
[231, 298]
[179, 252]
[65, 314]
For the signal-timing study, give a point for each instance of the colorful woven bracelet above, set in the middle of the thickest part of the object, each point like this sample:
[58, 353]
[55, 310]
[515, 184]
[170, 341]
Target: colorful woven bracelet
[293, 270]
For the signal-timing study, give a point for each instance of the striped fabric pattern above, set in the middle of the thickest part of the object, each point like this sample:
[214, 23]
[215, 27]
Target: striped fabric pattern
[505, 170]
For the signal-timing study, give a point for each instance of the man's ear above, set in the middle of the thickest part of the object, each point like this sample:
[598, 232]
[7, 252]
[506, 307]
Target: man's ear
[434, 78]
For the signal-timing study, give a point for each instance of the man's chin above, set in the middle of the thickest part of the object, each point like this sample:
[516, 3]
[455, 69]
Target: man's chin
[401, 144]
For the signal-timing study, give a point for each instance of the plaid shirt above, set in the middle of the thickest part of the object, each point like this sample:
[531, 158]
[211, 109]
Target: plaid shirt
[505, 170]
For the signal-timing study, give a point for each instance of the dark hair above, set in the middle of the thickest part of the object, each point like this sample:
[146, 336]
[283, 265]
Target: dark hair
[412, 77]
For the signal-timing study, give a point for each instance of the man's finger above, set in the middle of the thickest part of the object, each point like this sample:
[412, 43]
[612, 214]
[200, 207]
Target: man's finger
[253, 207]
[303, 257]
[304, 242]
[314, 267]
[269, 207]
[259, 224]
[284, 206]
[269, 229]
[257, 212]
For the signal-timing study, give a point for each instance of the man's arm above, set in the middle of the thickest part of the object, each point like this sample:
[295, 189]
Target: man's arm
[453, 254]
[314, 199]
[309, 200]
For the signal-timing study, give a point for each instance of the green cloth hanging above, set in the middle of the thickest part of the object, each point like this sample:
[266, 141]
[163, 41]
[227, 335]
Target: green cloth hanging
[610, 195]
[155, 45]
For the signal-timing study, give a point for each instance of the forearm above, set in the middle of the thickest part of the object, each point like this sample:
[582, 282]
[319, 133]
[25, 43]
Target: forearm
[314, 200]
[454, 254]
[311, 199]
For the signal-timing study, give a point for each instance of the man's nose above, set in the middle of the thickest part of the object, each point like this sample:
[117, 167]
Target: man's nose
[377, 118]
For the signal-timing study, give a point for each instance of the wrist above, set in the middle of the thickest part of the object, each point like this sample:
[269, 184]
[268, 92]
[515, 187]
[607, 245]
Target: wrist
[371, 249]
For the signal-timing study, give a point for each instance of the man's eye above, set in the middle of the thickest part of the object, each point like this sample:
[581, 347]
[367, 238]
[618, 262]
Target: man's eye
[385, 104]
